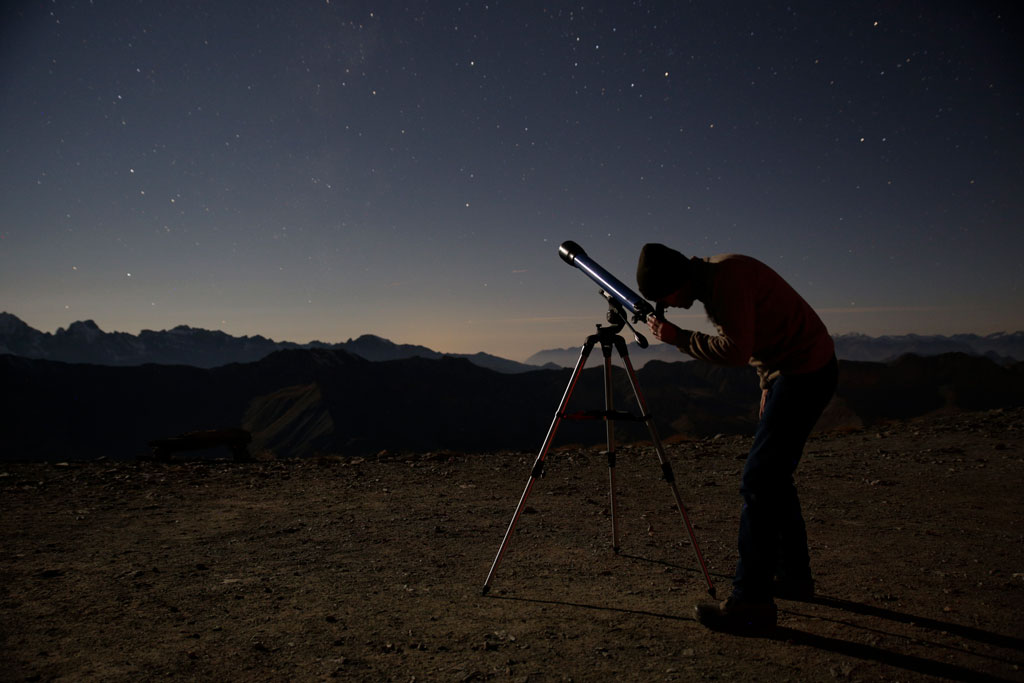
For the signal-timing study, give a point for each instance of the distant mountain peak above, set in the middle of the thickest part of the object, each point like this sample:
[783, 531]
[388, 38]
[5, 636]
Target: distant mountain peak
[87, 331]
[84, 342]
[10, 323]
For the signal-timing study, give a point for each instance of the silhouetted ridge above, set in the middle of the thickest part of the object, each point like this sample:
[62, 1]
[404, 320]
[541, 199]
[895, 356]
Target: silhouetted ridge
[298, 402]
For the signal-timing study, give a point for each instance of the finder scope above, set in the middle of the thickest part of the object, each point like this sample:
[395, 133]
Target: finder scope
[574, 255]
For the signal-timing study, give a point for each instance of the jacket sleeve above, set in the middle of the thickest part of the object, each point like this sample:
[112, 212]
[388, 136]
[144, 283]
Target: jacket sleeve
[733, 308]
[720, 350]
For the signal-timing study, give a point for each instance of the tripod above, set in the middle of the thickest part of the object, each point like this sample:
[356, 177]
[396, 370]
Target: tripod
[607, 337]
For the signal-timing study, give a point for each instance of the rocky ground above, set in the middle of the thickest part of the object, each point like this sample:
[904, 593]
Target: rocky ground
[372, 568]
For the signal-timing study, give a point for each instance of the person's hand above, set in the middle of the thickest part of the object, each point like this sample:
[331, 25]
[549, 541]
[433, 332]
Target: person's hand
[665, 331]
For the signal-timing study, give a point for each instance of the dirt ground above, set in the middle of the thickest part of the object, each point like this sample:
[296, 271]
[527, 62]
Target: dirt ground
[371, 569]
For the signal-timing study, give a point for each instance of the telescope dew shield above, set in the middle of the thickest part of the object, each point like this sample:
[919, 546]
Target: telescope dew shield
[574, 255]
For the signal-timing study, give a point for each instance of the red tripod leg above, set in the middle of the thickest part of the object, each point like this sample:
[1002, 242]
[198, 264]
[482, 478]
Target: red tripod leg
[538, 464]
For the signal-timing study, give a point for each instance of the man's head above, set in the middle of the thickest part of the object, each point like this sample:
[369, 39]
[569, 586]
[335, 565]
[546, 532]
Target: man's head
[664, 276]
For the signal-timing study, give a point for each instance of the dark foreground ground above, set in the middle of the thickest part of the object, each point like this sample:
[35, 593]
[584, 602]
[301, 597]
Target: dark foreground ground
[371, 569]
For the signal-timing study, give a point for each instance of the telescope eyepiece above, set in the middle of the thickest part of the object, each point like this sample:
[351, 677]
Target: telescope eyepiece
[569, 251]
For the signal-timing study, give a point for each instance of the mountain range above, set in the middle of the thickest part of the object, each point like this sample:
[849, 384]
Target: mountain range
[1001, 347]
[85, 342]
[301, 402]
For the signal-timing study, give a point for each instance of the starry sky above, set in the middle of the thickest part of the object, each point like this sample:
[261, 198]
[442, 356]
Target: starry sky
[324, 169]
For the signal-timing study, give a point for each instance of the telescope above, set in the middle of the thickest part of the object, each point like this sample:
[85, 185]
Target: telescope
[619, 296]
[612, 287]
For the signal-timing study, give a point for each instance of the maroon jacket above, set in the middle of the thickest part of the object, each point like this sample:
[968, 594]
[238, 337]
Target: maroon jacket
[760, 319]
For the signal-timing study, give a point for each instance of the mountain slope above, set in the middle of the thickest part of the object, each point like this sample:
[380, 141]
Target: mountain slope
[299, 402]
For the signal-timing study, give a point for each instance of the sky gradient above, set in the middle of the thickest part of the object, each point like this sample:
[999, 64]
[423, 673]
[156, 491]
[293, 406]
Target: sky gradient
[321, 170]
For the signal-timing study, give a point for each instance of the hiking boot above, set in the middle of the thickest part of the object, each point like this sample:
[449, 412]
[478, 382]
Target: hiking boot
[738, 615]
[800, 590]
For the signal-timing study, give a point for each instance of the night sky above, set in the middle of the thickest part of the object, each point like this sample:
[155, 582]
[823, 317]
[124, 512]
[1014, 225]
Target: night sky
[321, 170]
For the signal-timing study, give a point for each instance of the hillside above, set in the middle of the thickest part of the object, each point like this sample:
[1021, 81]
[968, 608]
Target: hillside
[304, 402]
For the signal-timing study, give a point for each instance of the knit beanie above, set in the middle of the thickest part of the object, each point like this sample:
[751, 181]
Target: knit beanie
[661, 271]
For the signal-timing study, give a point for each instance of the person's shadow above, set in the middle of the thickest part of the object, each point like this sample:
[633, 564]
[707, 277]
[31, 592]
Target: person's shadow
[917, 664]
[914, 663]
[921, 665]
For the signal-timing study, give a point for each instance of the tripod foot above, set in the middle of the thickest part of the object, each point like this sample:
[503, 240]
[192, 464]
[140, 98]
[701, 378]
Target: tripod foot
[487, 589]
[615, 550]
[711, 591]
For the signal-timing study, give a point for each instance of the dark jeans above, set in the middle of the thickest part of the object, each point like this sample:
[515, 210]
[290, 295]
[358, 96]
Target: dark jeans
[772, 538]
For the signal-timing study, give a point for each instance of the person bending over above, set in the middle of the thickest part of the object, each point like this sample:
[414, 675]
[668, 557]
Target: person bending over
[761, 321]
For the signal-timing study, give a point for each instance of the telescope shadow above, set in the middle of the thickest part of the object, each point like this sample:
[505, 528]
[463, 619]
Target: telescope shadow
[599, 608]
[849, 648]
[673, 565]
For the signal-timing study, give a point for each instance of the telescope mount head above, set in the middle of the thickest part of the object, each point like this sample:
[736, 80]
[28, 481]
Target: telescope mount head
[617, 318]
